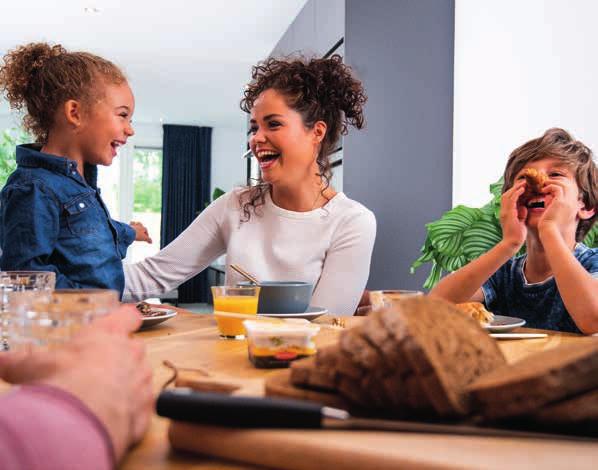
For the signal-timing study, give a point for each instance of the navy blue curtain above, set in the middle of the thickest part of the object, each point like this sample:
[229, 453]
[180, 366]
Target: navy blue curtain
[186, 161]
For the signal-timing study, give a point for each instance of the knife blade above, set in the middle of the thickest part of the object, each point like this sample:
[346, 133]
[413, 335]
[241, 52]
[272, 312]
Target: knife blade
[253, 412]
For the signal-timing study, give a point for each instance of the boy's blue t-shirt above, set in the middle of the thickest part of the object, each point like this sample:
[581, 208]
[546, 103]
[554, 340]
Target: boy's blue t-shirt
[507, 292]
[53, 219]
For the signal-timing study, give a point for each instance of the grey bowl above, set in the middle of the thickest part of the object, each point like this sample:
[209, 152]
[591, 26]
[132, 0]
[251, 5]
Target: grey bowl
[283, 296]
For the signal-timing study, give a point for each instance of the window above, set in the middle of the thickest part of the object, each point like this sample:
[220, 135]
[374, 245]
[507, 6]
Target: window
[132, 190]
[147, 198]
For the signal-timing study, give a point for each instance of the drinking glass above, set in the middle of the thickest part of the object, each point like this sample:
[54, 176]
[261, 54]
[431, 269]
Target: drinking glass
[52, 319]
[232, 299]
[20, 281]
[385, 298]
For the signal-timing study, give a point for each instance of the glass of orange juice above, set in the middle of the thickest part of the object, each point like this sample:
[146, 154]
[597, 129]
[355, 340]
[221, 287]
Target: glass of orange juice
[234, 300]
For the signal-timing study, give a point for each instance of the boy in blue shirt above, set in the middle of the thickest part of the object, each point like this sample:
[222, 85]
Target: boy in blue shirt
[555, 284]
[52, 218]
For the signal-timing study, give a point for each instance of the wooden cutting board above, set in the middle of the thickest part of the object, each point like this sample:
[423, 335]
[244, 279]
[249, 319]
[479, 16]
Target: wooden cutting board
[352, 450]
[279, 385]
[327, 449]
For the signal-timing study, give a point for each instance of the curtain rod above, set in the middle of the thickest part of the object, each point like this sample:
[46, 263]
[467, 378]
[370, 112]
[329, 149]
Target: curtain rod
[147, 147]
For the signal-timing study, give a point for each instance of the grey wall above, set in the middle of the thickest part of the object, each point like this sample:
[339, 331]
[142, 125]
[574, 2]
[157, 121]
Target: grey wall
[400, 167]
[318, 26]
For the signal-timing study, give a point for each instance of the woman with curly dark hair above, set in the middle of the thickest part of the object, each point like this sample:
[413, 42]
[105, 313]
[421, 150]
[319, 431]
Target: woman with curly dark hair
[292, 225]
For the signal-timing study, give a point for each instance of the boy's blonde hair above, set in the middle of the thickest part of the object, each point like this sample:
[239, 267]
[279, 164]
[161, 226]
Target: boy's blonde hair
[559, 144]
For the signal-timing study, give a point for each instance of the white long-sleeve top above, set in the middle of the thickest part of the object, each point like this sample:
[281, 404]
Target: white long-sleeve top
[330, 247]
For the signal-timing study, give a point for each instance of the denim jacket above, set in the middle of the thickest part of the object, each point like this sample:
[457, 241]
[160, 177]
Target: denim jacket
[52, 219]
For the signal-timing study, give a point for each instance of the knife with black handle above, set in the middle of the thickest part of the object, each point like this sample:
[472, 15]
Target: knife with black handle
[183, 404]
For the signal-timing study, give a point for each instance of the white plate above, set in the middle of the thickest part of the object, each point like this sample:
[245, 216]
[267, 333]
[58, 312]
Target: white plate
[310, 314]
[167, 314]
[502, 323]
[518, 335]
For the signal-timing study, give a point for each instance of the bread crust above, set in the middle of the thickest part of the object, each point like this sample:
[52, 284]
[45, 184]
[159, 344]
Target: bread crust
[537, 380]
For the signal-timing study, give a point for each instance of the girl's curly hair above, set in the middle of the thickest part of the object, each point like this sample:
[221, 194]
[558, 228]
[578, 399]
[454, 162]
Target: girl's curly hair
[40, 77]
[318, 89]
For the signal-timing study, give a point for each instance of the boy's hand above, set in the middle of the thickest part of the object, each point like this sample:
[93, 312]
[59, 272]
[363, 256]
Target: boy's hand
[561, 205]
[513, 215]
[141, 233]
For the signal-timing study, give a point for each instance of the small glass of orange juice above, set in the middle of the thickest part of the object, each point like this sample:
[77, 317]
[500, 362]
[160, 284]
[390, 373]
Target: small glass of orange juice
[234, 300]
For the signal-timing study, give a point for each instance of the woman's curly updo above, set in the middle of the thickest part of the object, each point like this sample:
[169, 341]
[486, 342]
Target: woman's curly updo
[40, 77]
[319, 90]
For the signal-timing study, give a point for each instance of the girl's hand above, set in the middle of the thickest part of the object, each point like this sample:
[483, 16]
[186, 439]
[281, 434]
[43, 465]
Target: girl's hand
[513, 216]
[141, 233]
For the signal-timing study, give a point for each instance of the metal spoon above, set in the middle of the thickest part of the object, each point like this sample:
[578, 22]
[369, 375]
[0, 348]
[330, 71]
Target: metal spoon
[251, 278]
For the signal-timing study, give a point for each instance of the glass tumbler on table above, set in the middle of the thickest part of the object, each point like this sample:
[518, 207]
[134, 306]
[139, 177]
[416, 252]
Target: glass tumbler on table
[42, 282]
[53, 319]
[385, 298]
[231, 299]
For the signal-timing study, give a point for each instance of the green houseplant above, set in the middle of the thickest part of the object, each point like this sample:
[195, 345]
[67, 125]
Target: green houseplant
[464, 233]
[9, 139]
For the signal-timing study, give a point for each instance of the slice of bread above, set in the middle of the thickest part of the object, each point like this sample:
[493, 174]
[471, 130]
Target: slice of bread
[446, 348]
[305, 373]
[542, 378]
[477, 311]
[580, 409]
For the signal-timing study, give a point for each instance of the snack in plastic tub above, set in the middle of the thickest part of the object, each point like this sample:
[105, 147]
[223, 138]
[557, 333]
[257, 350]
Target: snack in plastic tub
[276, 344]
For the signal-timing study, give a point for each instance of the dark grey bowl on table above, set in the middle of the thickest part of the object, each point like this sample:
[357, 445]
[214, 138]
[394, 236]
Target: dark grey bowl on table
[283, 296]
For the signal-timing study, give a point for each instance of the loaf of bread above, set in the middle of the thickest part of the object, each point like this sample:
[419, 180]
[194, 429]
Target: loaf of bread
[414, 358]
[423, 357]
[525, 387]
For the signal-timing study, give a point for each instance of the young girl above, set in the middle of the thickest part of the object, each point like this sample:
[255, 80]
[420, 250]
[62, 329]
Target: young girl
[52, 218]
[292, 226]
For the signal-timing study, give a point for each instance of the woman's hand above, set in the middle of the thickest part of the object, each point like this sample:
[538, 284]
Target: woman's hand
[141, 233]
[103, 367]
[513, 216]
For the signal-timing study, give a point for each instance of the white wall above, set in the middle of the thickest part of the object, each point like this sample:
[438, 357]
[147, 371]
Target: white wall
[228, 168]
[520, 68]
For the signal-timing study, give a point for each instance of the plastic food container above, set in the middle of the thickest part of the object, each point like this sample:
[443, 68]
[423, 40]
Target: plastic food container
[276, 344]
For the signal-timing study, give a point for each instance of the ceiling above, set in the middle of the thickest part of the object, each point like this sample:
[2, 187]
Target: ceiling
[187, 61]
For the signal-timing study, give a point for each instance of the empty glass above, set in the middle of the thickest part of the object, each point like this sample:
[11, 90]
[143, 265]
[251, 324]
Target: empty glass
[385, 298]
[20, 281]
[51, 319]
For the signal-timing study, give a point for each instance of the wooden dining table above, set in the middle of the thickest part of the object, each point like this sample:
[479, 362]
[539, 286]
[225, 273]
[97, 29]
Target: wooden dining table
[191, 341]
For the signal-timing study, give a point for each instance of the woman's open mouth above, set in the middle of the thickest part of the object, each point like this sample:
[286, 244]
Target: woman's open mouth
[267, 158]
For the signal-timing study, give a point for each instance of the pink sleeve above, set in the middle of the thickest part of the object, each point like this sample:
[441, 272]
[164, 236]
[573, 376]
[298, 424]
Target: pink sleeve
[45, 427]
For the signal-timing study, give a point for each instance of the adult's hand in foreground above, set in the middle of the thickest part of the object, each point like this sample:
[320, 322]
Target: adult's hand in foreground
[103, 367]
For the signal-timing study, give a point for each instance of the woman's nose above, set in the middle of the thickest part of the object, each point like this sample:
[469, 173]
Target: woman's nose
[258, 136]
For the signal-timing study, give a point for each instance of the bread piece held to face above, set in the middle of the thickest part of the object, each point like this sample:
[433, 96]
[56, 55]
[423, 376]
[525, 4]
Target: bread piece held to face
[535, 180]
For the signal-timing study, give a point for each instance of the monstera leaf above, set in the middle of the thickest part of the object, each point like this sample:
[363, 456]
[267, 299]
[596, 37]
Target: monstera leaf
[463, 234]
[460, 235]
